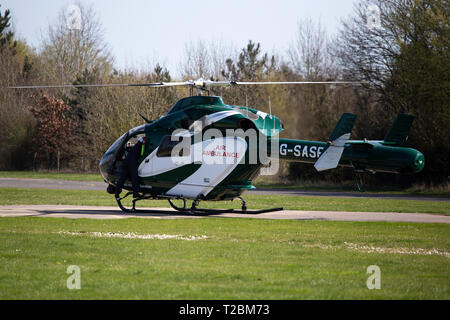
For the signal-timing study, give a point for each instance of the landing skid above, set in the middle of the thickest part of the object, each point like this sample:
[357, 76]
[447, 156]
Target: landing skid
[193, 211]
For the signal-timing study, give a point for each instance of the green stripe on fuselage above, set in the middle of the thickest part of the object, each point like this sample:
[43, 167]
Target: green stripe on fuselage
[161, 183]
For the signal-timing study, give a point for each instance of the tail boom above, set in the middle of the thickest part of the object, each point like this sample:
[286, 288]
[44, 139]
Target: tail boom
[371, 156]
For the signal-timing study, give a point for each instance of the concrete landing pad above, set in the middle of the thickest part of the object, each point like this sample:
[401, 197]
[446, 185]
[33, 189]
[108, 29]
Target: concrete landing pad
[91, 212]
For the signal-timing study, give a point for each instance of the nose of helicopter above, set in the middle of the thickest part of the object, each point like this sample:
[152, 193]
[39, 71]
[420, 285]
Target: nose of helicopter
[106, 166]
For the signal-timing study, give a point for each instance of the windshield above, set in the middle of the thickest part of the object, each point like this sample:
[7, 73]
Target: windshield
[116, 145]
[123, 138]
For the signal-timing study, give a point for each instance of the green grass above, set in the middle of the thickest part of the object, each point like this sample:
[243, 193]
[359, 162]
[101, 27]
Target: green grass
[51, 175]
[261, 182]
[239, 259]
[349, 186]
[15, 196]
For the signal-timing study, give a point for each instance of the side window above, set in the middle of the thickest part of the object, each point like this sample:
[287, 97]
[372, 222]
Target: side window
[167, 145]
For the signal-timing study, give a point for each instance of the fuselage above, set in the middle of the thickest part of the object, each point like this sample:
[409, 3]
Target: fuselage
[187, 175]
[205, 148]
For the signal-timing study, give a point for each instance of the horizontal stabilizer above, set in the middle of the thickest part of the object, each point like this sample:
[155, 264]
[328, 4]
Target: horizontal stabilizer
[398, 132]
[340, 135]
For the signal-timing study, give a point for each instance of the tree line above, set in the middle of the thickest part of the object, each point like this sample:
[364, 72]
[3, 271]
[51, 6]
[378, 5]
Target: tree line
[399, 48]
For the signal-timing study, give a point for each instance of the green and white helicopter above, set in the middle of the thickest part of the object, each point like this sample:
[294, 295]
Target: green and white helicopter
[204, 149]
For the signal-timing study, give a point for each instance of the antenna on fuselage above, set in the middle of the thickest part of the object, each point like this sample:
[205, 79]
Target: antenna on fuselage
[246, 104]
[270, 115]
[270, 108]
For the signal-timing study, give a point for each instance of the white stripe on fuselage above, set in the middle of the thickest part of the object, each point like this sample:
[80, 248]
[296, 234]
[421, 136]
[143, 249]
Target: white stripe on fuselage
[209, 175]
[217, 163]
[214, 117]
[219, 157]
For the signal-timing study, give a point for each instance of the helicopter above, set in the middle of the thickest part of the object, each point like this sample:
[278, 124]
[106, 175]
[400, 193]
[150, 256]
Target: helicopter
[206, 150]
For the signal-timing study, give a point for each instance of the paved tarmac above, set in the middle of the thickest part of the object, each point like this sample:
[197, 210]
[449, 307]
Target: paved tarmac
[91, 212]
[51, 184]
[93, 185]
[163, 213]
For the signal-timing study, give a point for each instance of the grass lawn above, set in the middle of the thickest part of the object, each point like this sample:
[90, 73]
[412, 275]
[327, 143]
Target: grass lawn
[260, 183]
[14, 196]
[51, 175]
[349, 186]
[232, 259]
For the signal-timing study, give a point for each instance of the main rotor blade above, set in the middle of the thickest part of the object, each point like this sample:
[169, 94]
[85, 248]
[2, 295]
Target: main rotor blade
[155, 85]
[294, 82]
[200, 84]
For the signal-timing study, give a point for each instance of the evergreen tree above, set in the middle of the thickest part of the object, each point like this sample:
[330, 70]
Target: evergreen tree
[6, 35]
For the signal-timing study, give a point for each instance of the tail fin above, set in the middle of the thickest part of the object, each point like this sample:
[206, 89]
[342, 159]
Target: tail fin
[341, 133]
[398, 132]
[344, 125]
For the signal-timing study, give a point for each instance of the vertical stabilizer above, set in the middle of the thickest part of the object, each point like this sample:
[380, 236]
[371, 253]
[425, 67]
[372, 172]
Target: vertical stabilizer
[340, 135]
[398, 132]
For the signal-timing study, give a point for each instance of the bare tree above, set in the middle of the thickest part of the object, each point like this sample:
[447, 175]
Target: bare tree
[309, 53]
[205, 59]
[68, 50]
[116, 110]
[197, 60]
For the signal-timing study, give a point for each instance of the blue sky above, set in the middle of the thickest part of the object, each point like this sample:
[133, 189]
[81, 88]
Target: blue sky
[146, 30]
